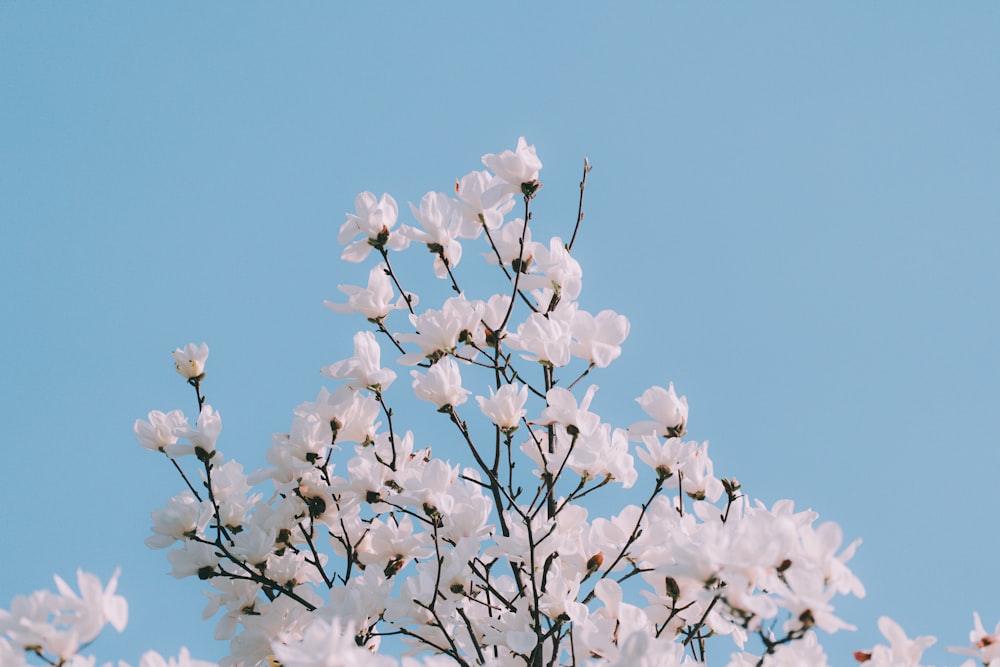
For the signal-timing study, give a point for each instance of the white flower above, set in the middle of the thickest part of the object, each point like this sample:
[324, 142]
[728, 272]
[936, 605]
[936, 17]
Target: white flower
[545, 337]
[604, 453]
[364, 367]
[441, 227]
[983, 646]
[343, 415]
[440, 331]
[508, 246]
[598, 339]
[183, 516]
[554, 271]
[665, 457]
[375, 302]
[516, 167]
[807, 598]
[561, 407]
[159, 433]
[374, 221]
[505, 408]
[669, 413]
[326, 644]
[204, 435]
[902, 651]
[442, 385]
[493, 315]
[639, 649]
[481, 204]
[95, 606]
[190, 360]
[194, 558]
[699, 480]
[806, 651]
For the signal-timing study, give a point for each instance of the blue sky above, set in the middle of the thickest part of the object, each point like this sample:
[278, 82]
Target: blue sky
[796, 205]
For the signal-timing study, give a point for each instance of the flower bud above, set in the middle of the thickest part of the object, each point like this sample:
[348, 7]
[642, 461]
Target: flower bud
[190, 361]
[673, 588]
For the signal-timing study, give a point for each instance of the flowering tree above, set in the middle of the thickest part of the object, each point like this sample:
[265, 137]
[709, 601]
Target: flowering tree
[518, 554]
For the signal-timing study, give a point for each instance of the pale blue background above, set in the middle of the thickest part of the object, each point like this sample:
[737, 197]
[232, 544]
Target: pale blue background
[796, 204]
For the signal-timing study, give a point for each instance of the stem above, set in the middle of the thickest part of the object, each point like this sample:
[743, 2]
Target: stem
[680, 493]
[392, 274]
[636, 531]
[447, 266]
[536, 654]
[579, 210]
[581, 376]
[550, 482]
[472, 635]
[410, 633]
[392, 433]
[196, 383]
[495, 486]
[701, 622]
[496, 252]
[190, 486]
[382, 329]
[520, 263]
[312, 547]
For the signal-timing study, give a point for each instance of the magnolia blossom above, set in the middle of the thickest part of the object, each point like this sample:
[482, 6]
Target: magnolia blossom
[983, 646]
[494, 312]
[562, 407]
[808, 597]
[438, 332]
[55, 625]
[442, 384]
[513, 246]
[190, 360]
[545, 337]
[326, 644]
[347, 415]
[598, 338]
[482, 203]
[204, 435]
[96, 605]
[901, 651]
[364, 368]
[804, 653]
[183, 516]
[193, 558]
[669, 413]
[375, 301]
[515, 168]
[441, 228]
[505, 407]
[603, 453]
[666, 457]
[374, 221]
[159, 434]
[554, 272]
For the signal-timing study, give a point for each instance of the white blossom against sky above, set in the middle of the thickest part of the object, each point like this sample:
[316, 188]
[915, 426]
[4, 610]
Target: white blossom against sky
[797, 206]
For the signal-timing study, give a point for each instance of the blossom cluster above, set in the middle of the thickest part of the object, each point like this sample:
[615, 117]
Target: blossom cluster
[55, 626]
[519, 548]
[511, 555]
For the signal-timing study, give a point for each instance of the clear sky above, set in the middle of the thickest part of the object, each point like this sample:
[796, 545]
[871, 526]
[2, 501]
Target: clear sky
[796, 204]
